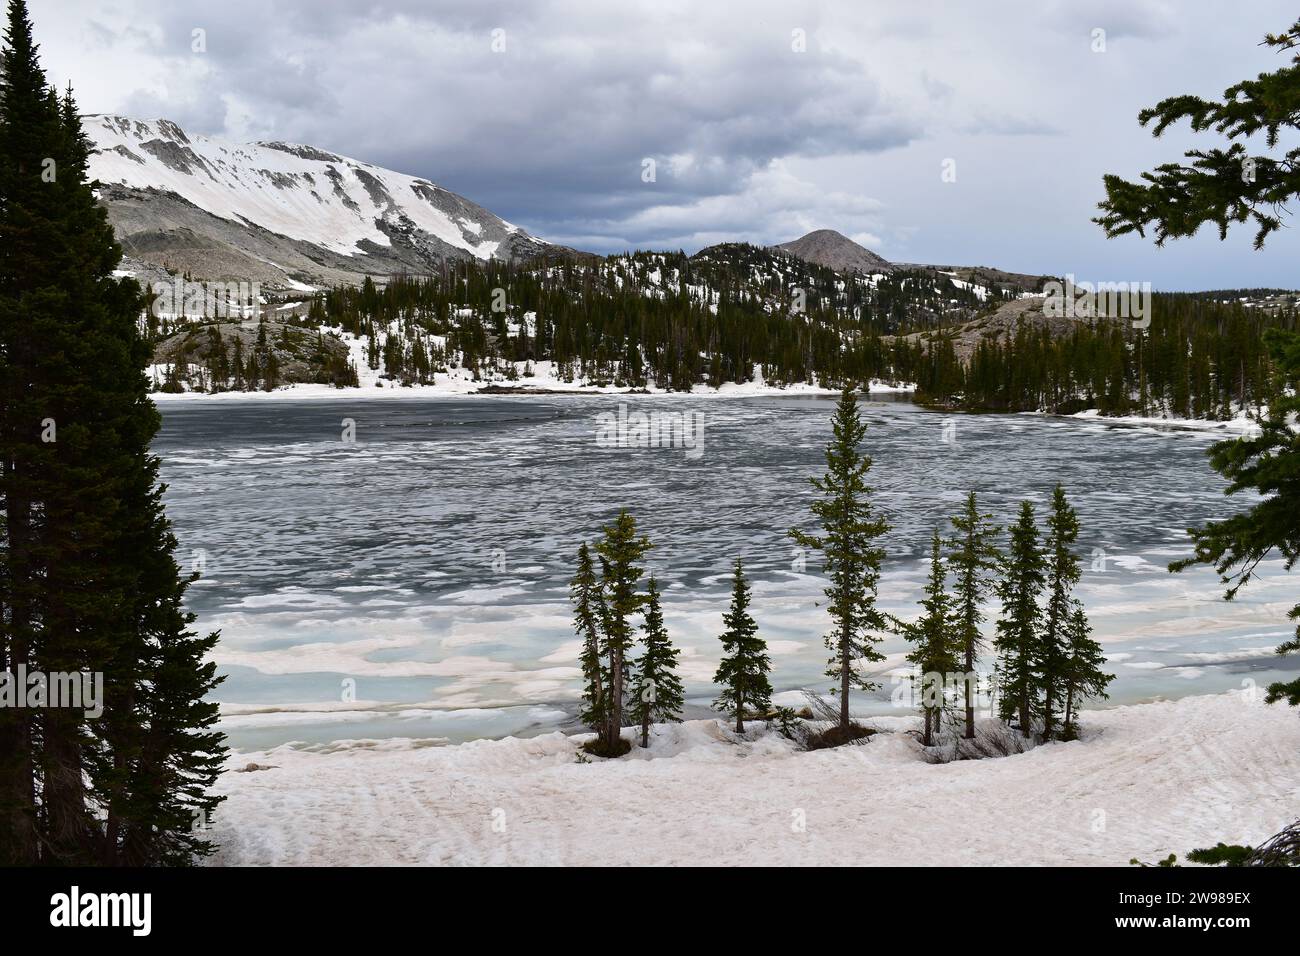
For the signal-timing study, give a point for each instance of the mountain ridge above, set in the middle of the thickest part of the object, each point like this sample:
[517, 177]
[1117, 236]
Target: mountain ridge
[294, 217]
[285, 214]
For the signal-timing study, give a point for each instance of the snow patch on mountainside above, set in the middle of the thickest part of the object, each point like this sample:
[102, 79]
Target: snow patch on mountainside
[299, 192]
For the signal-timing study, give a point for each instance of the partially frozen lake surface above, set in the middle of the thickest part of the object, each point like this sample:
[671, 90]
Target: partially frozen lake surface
[413, 582]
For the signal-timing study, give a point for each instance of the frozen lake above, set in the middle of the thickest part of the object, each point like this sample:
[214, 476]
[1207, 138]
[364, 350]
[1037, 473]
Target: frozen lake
[413, 582]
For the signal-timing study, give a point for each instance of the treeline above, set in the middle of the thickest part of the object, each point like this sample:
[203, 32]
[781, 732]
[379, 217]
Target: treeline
[663, 319]
[732, 311]
[1197, 359]
[1047, 660]
[677, 321]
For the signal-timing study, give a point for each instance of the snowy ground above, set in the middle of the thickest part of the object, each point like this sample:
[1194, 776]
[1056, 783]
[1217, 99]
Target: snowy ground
[1147, 780]
[459, 382]
[1240, 424]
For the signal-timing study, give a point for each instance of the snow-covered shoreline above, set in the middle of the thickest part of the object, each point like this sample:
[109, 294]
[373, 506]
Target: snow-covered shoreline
[548, 387]
[1239, 424]
[525, 388]
[1147, 780]
[545, 380]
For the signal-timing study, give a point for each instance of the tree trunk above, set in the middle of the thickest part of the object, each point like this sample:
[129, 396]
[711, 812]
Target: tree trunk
[19, 841]
[970, 693]
[19, 833]
[67, 822]
[614, 719]
[597, 685]
[645, 731]
[844, 683]
[928, 711]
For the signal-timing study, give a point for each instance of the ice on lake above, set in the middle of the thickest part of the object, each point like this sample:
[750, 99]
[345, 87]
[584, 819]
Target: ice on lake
[413, 582]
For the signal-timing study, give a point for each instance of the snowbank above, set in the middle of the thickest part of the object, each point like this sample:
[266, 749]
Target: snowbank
[1147, 780]
[1240, 424]
[459, 383]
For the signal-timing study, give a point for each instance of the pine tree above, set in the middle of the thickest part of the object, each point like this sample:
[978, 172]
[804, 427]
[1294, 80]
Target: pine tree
[850, 532]
[584, 593]
[743, 670]
[87, 574]
[1083, 675]
[975, 560]
[1226, 188]
[656, 691]
[1018, 626]
[29, 134]
[1267, 464]
[1062, 574]
[1219, 186]
[619, 552]
[934, 650]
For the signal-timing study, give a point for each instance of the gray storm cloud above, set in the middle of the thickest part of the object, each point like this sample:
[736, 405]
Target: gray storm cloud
[762, 118]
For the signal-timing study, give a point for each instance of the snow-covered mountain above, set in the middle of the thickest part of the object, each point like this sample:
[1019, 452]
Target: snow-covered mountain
[281, 214]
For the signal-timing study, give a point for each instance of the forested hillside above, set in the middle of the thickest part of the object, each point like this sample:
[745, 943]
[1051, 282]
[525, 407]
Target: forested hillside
[1198, 358]
[730, 314]
[663, 319]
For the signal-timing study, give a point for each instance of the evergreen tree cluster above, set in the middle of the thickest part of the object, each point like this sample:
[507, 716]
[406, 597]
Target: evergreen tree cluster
[212, 357]
[667, 319]
[1047, 661]
[1198, 358]
[89, 583]
[677, 321]
[618, 689]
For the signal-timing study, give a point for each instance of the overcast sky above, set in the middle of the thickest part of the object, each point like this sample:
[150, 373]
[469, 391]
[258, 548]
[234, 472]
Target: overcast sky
[764, 119]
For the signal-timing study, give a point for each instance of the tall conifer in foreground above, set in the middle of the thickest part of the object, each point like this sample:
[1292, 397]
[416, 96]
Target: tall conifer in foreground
[1018, 627]
[620, 552]
[849, 543]
[1062, 574]
[1267, 464]
[87, 575]
[656, 692]
[933, 652]
[1226, 188]
[584, 593]
[975, 560]
[744, 667]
